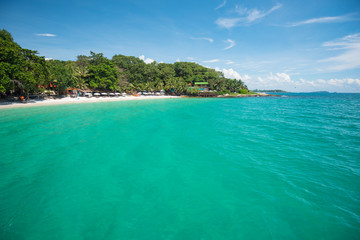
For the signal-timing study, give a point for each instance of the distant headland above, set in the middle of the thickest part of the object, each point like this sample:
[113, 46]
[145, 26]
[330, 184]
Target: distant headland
[270, 91]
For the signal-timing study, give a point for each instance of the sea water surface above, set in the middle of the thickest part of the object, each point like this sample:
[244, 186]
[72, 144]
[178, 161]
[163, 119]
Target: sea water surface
[249, 168]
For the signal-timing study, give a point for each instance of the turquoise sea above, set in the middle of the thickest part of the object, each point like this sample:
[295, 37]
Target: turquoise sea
[250, 168]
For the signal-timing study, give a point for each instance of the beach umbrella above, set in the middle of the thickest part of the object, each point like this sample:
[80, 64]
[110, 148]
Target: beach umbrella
[96, 94]
[104, 94]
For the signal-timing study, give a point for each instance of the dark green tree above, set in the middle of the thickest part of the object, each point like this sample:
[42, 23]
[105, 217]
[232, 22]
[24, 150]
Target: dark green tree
[61, 75]
[21, 70]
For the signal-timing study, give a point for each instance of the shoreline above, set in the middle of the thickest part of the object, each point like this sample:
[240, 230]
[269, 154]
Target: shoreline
[68, 100]
[78, 100]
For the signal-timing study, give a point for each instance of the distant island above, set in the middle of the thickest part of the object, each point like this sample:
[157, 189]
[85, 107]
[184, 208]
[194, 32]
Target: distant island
[23, 72]
[320, 92]
[270, 91]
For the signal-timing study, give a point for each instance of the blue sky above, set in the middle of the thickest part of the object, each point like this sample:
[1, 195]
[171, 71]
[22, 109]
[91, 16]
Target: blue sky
[291, 45]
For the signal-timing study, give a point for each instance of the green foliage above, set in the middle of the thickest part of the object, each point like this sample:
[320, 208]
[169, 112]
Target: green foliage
[61, 75]
[224, 92]
[81, 72]
[193, 91]
[22, 70]
[102, 73]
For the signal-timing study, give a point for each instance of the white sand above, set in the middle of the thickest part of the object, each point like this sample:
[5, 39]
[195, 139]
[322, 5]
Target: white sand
[68, 100]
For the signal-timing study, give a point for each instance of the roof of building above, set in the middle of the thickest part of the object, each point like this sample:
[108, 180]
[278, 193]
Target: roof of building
[71, 88]
[201, 83]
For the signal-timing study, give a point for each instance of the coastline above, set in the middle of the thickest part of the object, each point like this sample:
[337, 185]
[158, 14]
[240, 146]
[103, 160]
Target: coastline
[78, 100]
[68, 100]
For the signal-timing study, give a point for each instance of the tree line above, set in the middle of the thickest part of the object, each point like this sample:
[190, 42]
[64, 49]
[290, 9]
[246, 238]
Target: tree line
[22, 70]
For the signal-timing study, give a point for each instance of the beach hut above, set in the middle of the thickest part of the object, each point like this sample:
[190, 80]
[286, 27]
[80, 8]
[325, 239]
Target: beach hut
[203, 86]
[73, 92]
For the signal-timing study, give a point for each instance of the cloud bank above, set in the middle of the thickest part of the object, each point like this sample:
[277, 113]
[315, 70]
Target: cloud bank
[232, 74]
[285, 82]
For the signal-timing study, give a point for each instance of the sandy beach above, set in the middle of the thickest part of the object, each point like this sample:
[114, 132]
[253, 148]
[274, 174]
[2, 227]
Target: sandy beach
[68, 100]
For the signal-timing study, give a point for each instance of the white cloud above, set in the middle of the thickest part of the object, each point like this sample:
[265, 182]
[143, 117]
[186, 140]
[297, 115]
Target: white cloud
[146, 60]
[221, 5]
[245, 77]
[207, 39]
[321, 20]
[227, 22]
[285, 82]
[178, 60]
[229, 73]
[349, 58]
[231, 44]
[232, 74]
[212, 61]
[342, 82]
[45, 35]
[247, 16]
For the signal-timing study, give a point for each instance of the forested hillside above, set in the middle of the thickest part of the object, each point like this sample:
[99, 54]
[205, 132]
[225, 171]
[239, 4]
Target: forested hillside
[23, 71]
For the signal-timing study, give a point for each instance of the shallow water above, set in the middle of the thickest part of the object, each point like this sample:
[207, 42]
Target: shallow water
[254, 168]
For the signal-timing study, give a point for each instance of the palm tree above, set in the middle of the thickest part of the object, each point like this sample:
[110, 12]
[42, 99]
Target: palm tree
[79, 75]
